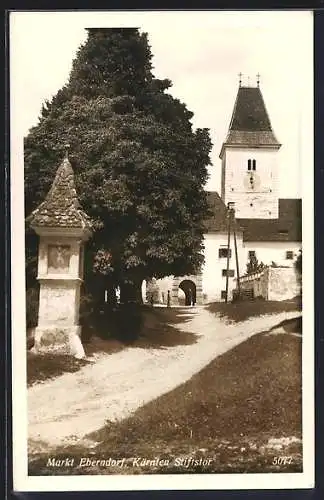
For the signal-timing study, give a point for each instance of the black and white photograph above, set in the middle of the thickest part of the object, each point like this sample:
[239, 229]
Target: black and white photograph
[162, 250]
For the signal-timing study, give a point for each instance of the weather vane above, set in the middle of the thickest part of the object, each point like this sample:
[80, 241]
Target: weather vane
[258, 79]
[240, 79]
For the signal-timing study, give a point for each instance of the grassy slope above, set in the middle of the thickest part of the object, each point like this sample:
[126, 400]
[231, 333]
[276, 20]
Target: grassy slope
[228, 411]
[240, 311]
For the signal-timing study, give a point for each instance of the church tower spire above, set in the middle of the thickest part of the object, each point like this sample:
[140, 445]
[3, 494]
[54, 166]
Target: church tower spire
[249, 157]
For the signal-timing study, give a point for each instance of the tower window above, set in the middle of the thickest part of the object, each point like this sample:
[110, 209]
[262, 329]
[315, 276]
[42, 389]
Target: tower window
[251, 164]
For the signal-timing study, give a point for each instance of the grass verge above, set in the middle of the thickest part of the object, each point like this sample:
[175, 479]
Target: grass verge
[241, 311]
[242, 413]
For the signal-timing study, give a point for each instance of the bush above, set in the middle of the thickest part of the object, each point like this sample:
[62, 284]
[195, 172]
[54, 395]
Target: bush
[32, 303]
[129, 321]
[86, 308]
[86, 316]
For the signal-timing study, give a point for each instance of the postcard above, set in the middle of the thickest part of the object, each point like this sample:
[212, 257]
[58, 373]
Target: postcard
[162, 250]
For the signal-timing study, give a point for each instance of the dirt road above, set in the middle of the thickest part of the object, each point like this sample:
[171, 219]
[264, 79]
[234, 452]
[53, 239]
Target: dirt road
[65, 409]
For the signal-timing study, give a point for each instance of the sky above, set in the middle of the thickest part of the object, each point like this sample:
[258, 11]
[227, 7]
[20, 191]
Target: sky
[202, 53]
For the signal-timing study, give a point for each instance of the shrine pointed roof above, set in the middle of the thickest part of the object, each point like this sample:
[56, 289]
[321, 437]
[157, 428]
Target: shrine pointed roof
[61, 207]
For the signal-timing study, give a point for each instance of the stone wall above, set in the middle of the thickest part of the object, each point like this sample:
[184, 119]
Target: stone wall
[283, 283]
[159, 289]
[196, 279]
[273, 283]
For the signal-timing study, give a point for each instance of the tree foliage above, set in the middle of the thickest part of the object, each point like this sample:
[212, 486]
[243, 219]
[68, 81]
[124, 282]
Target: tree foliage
[253, 265]
[139, 166]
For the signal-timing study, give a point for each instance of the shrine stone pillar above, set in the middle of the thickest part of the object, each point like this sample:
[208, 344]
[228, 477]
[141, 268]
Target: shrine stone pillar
[63, 229]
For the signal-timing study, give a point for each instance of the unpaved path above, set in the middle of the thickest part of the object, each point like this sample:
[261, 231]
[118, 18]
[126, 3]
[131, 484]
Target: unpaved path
[65, 409]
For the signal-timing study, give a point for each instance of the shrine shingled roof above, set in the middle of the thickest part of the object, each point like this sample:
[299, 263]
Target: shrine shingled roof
[61, 207]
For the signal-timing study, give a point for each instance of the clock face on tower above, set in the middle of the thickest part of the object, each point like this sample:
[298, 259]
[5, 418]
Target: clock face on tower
[252, 181]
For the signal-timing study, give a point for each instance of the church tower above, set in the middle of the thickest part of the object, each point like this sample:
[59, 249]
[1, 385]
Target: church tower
[249, 158]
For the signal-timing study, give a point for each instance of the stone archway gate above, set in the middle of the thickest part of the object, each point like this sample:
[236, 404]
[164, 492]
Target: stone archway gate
[196, 279]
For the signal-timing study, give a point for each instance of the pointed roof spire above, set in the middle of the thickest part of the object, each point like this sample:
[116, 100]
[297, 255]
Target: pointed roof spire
[61, 207]
[250, 124]
[250, 113]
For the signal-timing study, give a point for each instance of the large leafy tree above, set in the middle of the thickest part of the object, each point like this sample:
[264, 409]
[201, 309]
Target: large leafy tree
[139, 166]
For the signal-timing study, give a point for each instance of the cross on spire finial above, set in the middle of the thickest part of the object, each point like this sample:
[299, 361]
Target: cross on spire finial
[240, 78]
[258, 79]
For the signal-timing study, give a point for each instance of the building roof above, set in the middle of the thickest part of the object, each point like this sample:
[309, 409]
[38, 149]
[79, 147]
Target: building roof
[61, 207]
[218, 216]
[217, 221]
[250, 124]
[286, 228]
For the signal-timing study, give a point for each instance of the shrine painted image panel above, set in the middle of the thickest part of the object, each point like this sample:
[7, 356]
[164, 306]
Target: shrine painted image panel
[59, 258]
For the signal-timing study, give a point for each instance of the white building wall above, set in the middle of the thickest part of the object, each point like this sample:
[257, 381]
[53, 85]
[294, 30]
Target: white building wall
[213, 282]
[262, 201]
[270, 251]
[273, 283]
[267, 252]
[212, 274]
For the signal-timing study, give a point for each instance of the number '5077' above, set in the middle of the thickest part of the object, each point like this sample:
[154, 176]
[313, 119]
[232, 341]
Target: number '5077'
[282, 460]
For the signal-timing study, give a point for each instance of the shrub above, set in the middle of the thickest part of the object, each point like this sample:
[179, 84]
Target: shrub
[86, 316]
[129, 321]
[86, 308]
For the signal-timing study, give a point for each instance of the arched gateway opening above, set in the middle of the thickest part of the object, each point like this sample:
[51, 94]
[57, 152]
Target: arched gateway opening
[189, 289]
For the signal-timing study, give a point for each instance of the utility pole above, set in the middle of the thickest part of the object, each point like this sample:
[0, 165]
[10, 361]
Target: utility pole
[229, 216]
[237, 265]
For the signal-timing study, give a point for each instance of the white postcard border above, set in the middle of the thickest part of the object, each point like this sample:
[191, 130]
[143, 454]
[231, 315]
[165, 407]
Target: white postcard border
[151, 482]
